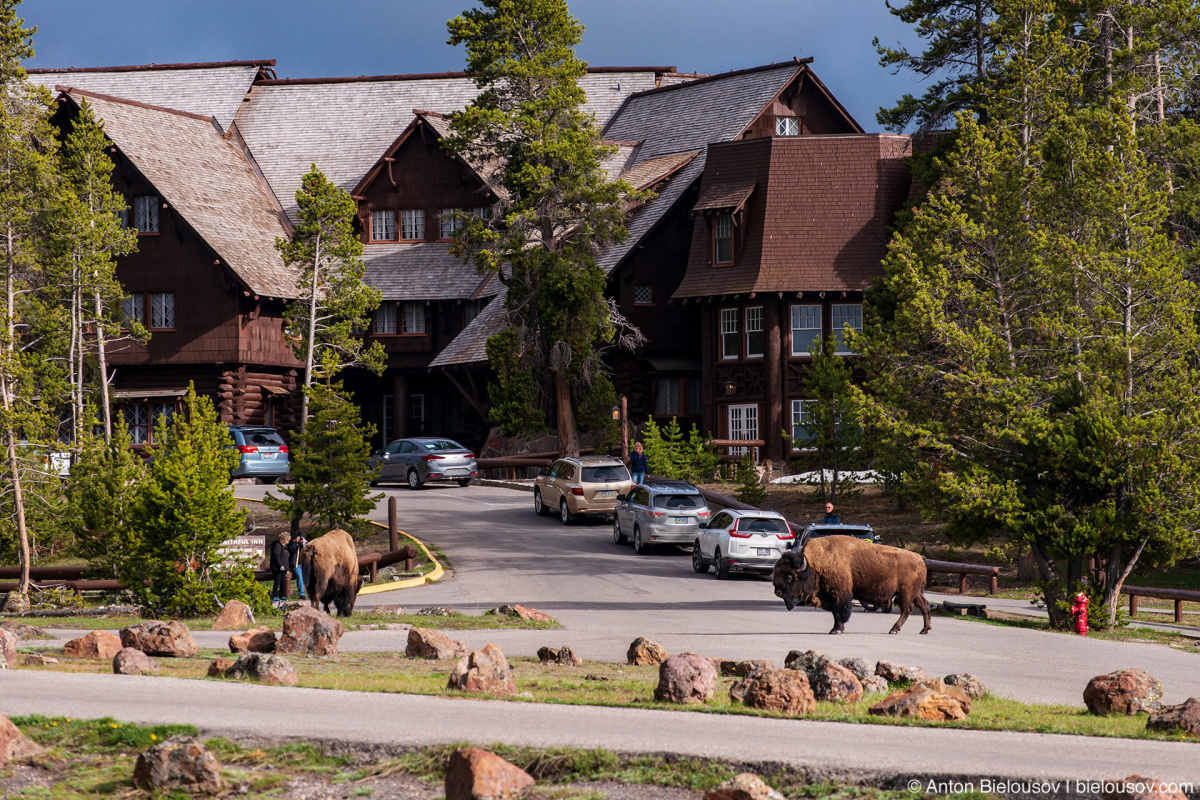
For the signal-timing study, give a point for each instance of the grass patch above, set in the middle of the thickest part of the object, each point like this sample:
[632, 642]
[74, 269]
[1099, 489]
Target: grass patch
[274, 620]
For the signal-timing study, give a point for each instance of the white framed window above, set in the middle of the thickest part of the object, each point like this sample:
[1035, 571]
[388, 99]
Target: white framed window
[137, 420]
[743, 424]
[385, 318]
[643, 295]
[723, 239]
[802, 415]
[145, 213]
[412, 224]
[806, 328]
[413, 318]
[841, 315]
[448, 223]
[754, 332]
[162, 310]
[133, 309]
[383, 226]
[787, 126]
[729, 333]
[666, 403]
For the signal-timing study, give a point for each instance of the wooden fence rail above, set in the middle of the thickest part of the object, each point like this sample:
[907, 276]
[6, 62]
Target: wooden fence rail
[962, 571]
[1180, 596]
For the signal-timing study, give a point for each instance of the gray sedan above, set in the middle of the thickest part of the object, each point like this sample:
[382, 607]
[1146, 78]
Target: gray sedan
[426, 458]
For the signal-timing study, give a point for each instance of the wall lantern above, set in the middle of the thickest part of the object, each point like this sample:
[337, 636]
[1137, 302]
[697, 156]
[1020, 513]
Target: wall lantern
[616, 412]
[730, 388]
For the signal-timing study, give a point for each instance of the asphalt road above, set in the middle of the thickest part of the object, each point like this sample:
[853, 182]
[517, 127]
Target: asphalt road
[606, 596]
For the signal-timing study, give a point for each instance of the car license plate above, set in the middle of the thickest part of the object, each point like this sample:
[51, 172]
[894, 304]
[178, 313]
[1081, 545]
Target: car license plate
[681, 520]
[607, 494]
[456, 471]
[267, 455]
[764, 551]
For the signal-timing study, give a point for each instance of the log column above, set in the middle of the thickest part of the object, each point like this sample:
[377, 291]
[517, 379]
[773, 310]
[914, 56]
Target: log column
[708, 372]
[772, 381]
[399, 406]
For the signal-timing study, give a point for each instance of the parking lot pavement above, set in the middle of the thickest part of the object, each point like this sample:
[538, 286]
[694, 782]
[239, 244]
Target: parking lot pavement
[605, 596]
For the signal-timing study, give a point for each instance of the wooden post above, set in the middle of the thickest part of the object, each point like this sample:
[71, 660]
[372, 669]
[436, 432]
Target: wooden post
[625, 429]
[962, 584]
[995, 585]
[1133, 605]
[708, 373]
[408, 564]
[287, 584]
[773, 382]
[393, 534]
[374, 570]
[1178, 612]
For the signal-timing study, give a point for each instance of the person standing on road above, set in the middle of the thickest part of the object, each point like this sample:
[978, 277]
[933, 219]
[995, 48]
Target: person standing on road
[294, 547]
[831, 517]
[638, 464]
[280, 563]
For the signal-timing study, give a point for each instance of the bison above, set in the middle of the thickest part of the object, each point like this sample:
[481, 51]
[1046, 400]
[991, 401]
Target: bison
[330, 566]
[831, 571]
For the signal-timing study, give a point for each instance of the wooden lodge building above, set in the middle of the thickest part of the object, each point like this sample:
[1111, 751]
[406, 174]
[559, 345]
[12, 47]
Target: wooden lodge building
[769, 220]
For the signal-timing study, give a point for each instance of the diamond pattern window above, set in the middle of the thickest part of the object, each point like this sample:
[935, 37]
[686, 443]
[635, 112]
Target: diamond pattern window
[162, 310]
[643, 295]
[787, 126]
[133, 309]
[145, 214]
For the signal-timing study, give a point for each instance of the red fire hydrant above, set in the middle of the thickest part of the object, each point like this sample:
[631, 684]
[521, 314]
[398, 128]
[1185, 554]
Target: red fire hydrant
[1079, 612]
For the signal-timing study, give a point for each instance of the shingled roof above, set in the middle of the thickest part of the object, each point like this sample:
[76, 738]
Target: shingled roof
[423, 271]
[211, 89]
[470, 346]
[206, 178]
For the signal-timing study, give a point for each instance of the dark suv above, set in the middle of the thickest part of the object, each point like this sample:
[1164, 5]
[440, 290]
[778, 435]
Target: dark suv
[264, 453]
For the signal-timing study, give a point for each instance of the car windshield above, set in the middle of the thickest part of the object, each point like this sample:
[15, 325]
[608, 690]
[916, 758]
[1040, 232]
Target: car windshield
[610, 474]
[437, 445]
[762, 525]
[817, 533]
[680, 501]
[263, 438]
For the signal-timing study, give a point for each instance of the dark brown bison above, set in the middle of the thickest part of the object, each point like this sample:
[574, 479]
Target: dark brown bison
[330, 567]
[831, 571]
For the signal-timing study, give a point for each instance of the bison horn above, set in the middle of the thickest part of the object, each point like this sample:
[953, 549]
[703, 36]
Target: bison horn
[803, 563]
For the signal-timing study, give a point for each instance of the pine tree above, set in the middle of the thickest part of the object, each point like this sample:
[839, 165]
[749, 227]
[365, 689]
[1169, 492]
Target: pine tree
[332, 485]
[555, 209]
[832, 428]
[102, 490]
[750, 489]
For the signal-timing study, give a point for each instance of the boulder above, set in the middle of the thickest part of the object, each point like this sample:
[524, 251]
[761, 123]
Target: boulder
[783, 690]
[474, 774]
[738, 689]
[859, 667]
[255, 640]
[932, 700]
[8, 649]
[16, 603]
[834, 683]
[524, 612]
[24, 632]
[744, 669]
[642, 652]
[973, 687]
[308, 631]
[181, 762]
[14, 745]
[1125, 691]
[687, 678]
[131, 661]
[97, 644]
[235, 616]
[898, 673]
[745, 786]
[1139, 787]
[168, 639]
[264, 668]
[426, 643]
[39, 660]
[804, 660]
[1183, 717]
[873, 684]
[484, 671]
[563, 655]
[217, 667]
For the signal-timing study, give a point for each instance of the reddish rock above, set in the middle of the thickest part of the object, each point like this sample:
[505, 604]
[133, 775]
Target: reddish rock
[1126, 691]
[8, 649]
[235, 616]
[564, 655]
[129, 661]
[1139, 787]
[181, 762]
[873, 684]
[857, 666]
[97, 644]
[1183, 717]
[744, 669]
[783, 690]
[745, 786]
[14, 745]
[835, 683]
[931, 700]
[642, 652]
[484, 671]
[311, 632]
[968, 683]
[474, 774]
[898, 673]
[426, 643]
[39, 660]
[217, 667]
[168, 639]
[264, 668]
[24, 632]
[255, 640]
[687, 678]
[524, 612]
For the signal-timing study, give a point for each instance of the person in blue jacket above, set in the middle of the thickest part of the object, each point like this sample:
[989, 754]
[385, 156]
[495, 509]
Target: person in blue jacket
[638, 464]
[831, 517]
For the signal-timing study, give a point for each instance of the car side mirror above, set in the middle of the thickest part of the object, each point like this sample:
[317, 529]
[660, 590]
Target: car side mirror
[378, 452]
[541, 472]
[704, 525]
[621, 498]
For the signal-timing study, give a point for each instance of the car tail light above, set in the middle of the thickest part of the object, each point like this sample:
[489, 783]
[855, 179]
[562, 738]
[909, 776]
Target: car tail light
[737, 534]
[469, 455]
[701, 513]
[660, 513]
[247, 448]
[785, 536]
[283, 448]
[577, 491]
[432, 458]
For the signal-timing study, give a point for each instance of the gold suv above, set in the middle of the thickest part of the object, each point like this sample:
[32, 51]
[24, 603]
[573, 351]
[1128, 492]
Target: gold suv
[580, 487]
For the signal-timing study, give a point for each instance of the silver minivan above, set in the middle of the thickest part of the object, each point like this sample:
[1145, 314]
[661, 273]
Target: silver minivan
[659, 512]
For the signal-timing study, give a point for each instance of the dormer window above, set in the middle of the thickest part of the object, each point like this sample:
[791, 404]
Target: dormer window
[145, 214]
[723, 239]
[383, 226]
[787, 126]
[412, 225]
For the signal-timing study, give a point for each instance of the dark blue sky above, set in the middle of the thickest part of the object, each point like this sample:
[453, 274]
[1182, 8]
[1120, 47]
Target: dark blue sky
[311, 38]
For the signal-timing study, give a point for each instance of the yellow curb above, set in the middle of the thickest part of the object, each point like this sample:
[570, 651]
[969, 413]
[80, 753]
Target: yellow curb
[408, 583]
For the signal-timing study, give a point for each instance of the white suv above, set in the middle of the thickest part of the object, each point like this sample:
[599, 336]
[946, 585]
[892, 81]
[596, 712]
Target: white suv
[741, 541]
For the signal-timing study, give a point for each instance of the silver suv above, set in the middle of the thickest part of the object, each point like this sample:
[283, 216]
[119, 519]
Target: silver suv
[659, 512]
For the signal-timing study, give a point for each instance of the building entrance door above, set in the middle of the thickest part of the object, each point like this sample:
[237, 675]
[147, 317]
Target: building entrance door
[743, 424]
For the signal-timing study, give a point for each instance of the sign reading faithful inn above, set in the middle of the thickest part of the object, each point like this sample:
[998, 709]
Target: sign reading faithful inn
[249, 549]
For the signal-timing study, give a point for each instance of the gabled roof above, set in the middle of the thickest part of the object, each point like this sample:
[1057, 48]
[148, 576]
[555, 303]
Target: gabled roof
[211, 89]
[470, 346]
[206, 178]
[719, 195]
[423, 271]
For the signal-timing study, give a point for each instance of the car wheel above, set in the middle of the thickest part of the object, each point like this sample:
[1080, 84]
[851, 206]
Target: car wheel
[698, 563]
[618, 536]
[465, 482]
[268, 481]
[564, 513]
[722, 566]
[639, 546]
[414, 480]
[539, 507]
